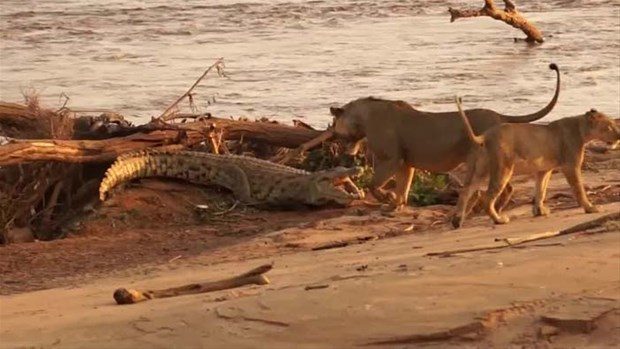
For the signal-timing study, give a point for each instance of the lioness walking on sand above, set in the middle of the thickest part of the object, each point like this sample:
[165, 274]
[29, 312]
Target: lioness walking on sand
[403, 138]
[531, 148]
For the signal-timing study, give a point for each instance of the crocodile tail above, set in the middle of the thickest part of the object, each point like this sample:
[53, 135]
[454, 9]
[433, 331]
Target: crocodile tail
[479, 140]
[544, 111]
[135, 165]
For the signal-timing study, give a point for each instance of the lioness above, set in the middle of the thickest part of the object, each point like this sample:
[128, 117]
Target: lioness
[537, 149]
[403, 138]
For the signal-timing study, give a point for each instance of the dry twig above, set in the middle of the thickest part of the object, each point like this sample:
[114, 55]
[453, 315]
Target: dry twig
[218, 65]
[512, 242]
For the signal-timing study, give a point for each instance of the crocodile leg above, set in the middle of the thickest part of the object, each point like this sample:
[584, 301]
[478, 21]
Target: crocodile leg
[235, 179]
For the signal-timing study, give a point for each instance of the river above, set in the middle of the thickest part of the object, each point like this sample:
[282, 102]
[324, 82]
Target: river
[294, 59]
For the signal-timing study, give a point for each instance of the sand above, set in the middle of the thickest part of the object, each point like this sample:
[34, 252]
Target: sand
[380, 289]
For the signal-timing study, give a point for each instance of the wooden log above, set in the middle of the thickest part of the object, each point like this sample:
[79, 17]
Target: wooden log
[509, 15]
[252, 277]
[273, 133]
[154, 134]
[17, 120]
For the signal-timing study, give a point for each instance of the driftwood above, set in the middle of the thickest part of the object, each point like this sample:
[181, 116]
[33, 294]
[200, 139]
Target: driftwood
[153, 135]
[512, 242]
[18, 120]
[252, 277]
[509, 15]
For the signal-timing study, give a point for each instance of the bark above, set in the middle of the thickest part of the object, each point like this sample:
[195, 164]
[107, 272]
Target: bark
[509, 15]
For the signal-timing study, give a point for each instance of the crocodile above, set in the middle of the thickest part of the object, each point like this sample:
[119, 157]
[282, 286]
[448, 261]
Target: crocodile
[251, 180]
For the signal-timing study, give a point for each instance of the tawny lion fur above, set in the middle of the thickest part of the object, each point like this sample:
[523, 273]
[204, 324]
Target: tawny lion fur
[403, 138]
[531, 148]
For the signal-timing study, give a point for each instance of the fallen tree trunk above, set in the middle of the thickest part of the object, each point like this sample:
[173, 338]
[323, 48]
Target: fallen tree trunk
[154, 134]
[509, 15]
[275, 134]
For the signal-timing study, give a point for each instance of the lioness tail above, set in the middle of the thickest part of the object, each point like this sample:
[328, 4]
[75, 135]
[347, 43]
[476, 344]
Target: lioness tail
[479, 140]
[544, 111]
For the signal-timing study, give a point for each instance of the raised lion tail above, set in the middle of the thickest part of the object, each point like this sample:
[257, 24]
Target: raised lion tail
[479, 140]
[544, 111]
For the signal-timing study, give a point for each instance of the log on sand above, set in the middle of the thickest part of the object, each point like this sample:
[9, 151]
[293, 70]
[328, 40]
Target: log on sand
[154, 134]
[509, 15]
[252, 277]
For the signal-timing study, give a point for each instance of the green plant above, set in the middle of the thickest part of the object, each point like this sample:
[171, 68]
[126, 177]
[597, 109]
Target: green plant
[426, 188]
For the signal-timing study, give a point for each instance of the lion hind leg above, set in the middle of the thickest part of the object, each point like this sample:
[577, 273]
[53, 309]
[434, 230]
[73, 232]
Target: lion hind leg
[542, 181]
[469, 195]
[500, 176]
[504, 198]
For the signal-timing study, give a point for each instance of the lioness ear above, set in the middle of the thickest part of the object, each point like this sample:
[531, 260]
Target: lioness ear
[591, 114]
[336, 111]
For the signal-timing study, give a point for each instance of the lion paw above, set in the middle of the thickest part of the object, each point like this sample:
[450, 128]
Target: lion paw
[501, 219]
[457, 221]
[541, 210]
[383, 195]
[591, 209]
[392, 207]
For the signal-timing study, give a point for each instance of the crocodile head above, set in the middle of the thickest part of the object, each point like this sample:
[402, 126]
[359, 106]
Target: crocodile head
[329, 187]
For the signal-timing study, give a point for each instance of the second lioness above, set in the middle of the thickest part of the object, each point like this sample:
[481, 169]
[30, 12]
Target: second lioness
[531, 148]
[403, 138]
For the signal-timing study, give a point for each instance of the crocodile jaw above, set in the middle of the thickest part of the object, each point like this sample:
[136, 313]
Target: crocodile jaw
[325, 188]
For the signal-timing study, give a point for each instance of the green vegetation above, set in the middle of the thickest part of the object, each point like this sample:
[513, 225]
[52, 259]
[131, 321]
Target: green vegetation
[425, 189]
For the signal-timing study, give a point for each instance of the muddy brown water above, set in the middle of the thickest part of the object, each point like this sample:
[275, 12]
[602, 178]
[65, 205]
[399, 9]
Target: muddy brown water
[294, 59]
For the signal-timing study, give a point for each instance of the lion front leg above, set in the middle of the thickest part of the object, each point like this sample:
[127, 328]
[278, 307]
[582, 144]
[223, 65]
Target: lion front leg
[573, 177]
[384, 170]
[403, 179]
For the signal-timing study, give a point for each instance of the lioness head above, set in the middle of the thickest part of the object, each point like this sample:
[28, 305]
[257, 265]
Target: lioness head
[348, 122]
[603, 128]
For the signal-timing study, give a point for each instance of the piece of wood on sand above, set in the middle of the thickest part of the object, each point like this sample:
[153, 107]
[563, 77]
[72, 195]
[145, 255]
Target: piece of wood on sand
[252, 277]
[509, 15]
[513, 242]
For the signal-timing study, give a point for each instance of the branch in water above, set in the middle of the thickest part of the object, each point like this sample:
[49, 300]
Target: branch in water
[509, 15]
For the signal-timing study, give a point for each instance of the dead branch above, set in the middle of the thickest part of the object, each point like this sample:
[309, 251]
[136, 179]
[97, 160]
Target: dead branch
[509, 15]
[218, 64]
[535, 237]
[252, 277]
[315, 142]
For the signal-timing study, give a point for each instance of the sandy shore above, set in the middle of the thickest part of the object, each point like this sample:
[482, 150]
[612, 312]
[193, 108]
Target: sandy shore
[563, 291]
[380, 289]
